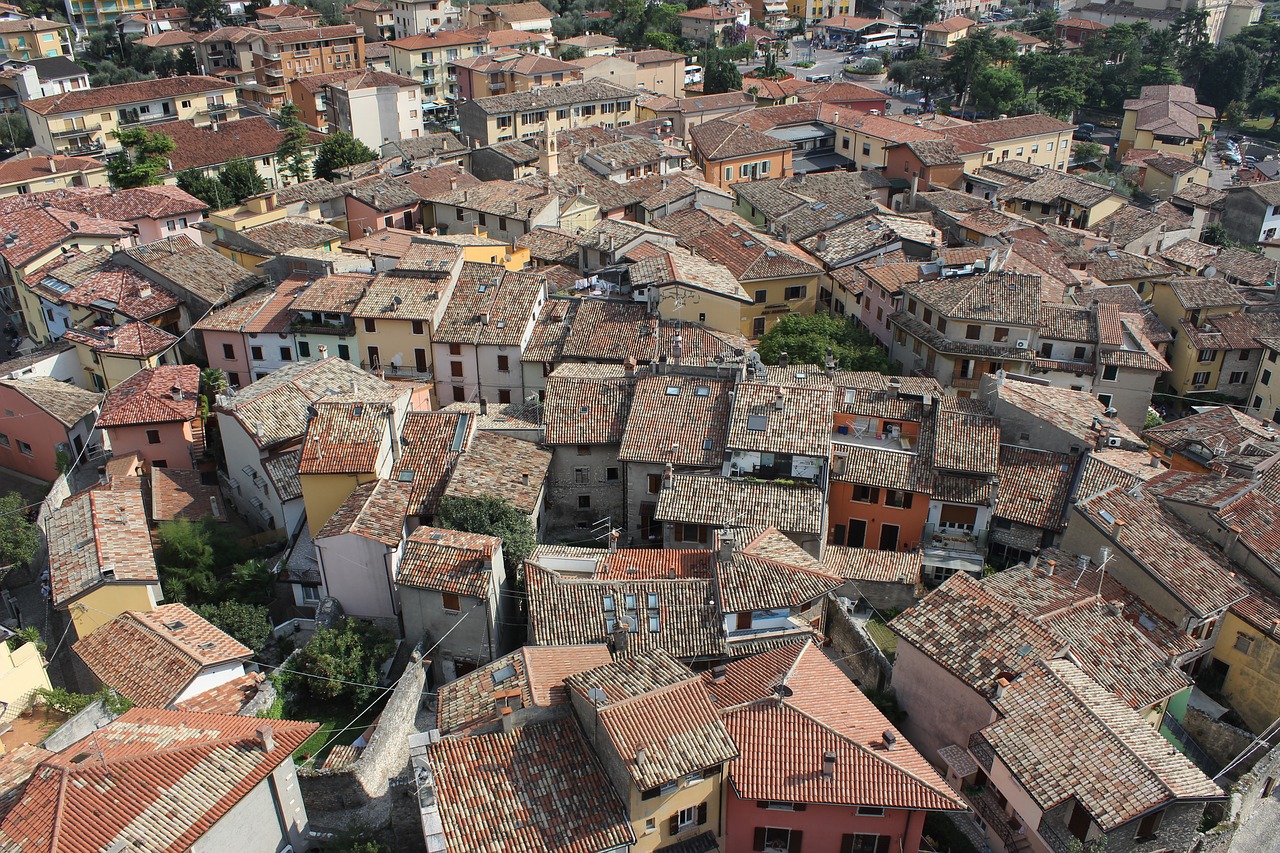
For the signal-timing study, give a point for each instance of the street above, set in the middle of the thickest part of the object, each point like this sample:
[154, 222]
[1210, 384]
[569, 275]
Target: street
[832, 62]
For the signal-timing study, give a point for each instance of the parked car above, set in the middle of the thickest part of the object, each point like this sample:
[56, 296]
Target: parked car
[912, 111]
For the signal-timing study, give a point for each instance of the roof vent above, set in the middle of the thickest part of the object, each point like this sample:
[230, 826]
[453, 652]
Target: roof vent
[829, 760]
[889, 739]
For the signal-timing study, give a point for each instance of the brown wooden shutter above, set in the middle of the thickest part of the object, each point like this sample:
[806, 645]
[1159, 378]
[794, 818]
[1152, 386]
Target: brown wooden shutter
[759, 839]
[673, 825]
[846, 843]
[796, 837]
[702, 814]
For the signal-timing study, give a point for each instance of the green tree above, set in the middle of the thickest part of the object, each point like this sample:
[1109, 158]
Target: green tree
[185, 557]
[1042, 25]
[1229, 76]
[248, 623]
[206, 14]
[1216, 235]
[1087, 152]
[1266, 102]
[1061, 101]
[252, 582]
[143, 156]
[241, 179]
[921, 15]
[207, 188]
[572, 52]
[341, 149]
[19, 538]
[1236, 114]
[807, 338]
[719, 74]
[186, 62]
[15, 132]
[344, 660]
[997, 90]
[492, 516]
[292, 154]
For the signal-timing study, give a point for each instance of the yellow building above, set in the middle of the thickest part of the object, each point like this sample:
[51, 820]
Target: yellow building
[941, 36]
[87, 119]
[523, 115]
[35, 173]
[92, 14]
[1168, 119]
[101, 562]
[112, 356]
[22, 673]
[33, 38]
[1201, 312]
[427, 56]
[1247, 653]
[257, 230]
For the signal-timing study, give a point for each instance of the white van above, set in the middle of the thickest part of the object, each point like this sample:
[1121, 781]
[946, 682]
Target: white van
[692, 74]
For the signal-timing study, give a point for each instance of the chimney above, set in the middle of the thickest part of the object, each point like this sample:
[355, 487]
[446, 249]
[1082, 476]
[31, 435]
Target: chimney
[1002, 684]
[1117, 526]
[484, 406]
[434, 231]
[176, 393]
[822, 241]
[829, 759]
[267, 736]
[453, 182]
[613, 541]
[524, 478]
[620, 629]
[391, 428]
[53, 166]
[719, 672]
[508, 719]
[629, 367]
[783, 359]
[324, 351]
[677, 349]
[780, 401]
[889, 739]
[1052, 564]
[667, 474]
[727, 543]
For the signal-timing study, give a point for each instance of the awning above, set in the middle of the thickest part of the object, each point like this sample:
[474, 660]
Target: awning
[938, 558]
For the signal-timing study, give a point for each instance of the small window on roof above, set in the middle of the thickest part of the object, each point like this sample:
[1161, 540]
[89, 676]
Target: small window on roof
[673, 390]
[482, 288]
[652, 600]
[702, 391]
[757, 423]
[506, 673]
[406, 476]
[608, 603]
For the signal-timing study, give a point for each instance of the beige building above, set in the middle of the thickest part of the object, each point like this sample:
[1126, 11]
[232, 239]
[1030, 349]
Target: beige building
[1167, 119]
[509, 71]
[1225, 17]
[419, 17]
[428, 56]
[526, 114]
[658, 71]
[32, 38]
[85, 120]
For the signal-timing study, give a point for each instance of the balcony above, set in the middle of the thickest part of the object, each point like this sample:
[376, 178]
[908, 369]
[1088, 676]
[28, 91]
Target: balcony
[851, 435]
[304, 326]
[398, 371]
[78, 131]
[132, 118]
[954, 540]
[1009, 829]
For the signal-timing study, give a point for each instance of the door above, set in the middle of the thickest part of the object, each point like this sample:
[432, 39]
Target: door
[888, 537]
[1079, 823]
[375, 361]
[420, 360]
[857, 533]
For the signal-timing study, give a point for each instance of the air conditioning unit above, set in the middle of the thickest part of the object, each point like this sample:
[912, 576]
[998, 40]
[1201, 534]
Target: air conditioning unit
[1115, 441]
[1023, 344]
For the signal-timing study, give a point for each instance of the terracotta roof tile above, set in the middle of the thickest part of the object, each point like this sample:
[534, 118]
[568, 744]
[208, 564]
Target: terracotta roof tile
[67, 403]
[497, 465]
[1034, 486]
[449, 561]
[374, 511]
[866, 564]
[717, 501]
[181, 493]
[99, 537]
[678, 419]
[431, 443]
[99, 97]
[491, 306]
[587, 404]
[346, 437]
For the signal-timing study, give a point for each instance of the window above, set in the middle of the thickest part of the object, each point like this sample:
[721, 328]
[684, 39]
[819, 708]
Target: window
[762, 296]
[927, 316]
[233, 379]
[584, 450]
[650, 825]
[584, 501]
[455, 368]
[255, 353]
[455, 349]
[764, 167]
[25, 449]
[344, 352]
[504, 363]
[870, 811]
[1105, 400]
[778, 840]
[1257, 402]
[1148, 827]
[728, 173]
[1046, 350]
[866, 494]
[153, 436]
[1201, 378]
[797, 292]
[897, 499]
[866, 149]
[1110, 373]
[458, 394]
[1266, 377]
[757, 326]
[286, 354]
[972, 332]
[581, 475]
[1238, 377]
[611, 474]
[861, 842]
[1206, 355]
[228, 351]
[419, 328]
[304, 349]
[1001, 335]
[504, 395]
[744, 170]
[654, 484]
[450, 601]
[1243, 643]
[844, 143]
[4, 440]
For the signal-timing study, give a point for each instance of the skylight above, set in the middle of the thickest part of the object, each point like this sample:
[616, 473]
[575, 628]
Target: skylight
[757, 423]
[673, 390]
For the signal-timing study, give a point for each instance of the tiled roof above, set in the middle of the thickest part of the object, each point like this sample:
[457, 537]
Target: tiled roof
[587, 404]
[491, 306]
[151, 658]
[678, 419]
[97, 283]
[133, 339]
[276, 238]
[727, 238]
[96, 532]
[1205, 292]
[230, 697]
[153, 395]
[496, 465]
[36, 167]
[199, 269]
[657, 716]
[550, 97]
[870, 565]
[374, 510]
[726, 140]
[783, 742]
[159, 781]
[205, 146]
[990, 298]
[1034, 486]
[274, 408]
[678, 265]
[261, 311]
[1062, 736]
[1002, 130]
[551, 245]
[1071, 411]
[449, 561]
[346, 437]
[771, 419]
[430, 445]
[338, 293]
[418, 295]
[100, 97]
[530, 677]
[67, 403]
[283, 471]
[771, 572]
[181, 493]
[533, 790]
[718, 501]
[567, 610]
[1221, 430]
[601, 330]
[1164, 548]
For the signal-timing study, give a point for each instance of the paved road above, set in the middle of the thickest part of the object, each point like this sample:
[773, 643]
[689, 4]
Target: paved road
[832, 62]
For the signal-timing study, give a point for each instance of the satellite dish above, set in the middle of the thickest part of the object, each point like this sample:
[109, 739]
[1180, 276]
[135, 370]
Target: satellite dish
[753, 357]
[597, 696]
[1112, 183]
[782, 691]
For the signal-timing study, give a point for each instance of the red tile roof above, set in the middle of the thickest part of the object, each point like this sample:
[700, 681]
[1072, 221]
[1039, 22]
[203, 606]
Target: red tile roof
[199, 147]
[587, 404]
[153, 395]
[181, 493]
[449, 561]
[346, 437]
[150, 780]
[373, 510]
[431, 443]
[100, 97]
[98, 537]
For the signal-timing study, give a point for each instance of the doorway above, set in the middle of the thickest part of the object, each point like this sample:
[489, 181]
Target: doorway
[888, 537]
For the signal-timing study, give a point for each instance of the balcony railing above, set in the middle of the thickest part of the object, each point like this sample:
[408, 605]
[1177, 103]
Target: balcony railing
[78, 131]
[398, 371]
[953, 539]
[994, 816]
[311, 327]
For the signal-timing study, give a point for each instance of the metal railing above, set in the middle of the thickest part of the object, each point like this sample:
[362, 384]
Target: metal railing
[1188, 746]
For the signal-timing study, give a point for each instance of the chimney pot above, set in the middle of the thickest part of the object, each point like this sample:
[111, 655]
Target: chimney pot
[719, 672]
[484, 406]
[783, 359]
[726, 546]
[524, 478]
[267, 736]
[508, 718]
[889, 739]
[829, 758]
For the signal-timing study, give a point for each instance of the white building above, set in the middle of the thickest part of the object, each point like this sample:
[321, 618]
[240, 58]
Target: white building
[376, 107]
[422, 16]
[359, 550]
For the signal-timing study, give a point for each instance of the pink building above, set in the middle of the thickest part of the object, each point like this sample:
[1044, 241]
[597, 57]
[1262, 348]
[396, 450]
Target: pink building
[155, 414]
[43, 416]
[378, 202]
[820, 767]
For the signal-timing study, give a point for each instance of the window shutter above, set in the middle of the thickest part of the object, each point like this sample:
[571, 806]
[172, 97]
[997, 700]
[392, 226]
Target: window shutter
[794, 846]
[702, 814]
[759, 839]
[762, 804]
[846, 843]
[882, 844]
[799, 807]
[673, 826]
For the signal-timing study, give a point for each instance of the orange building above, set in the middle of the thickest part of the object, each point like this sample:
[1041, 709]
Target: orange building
[880, 487]
[156, 414]
[290, 54]
[730, 153]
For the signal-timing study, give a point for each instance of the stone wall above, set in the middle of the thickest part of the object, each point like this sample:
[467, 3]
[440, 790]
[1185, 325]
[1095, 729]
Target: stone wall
[1221, 741]
[859, 655]
[387, 754]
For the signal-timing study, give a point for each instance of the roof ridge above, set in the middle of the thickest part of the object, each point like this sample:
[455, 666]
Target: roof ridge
[663, 690]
